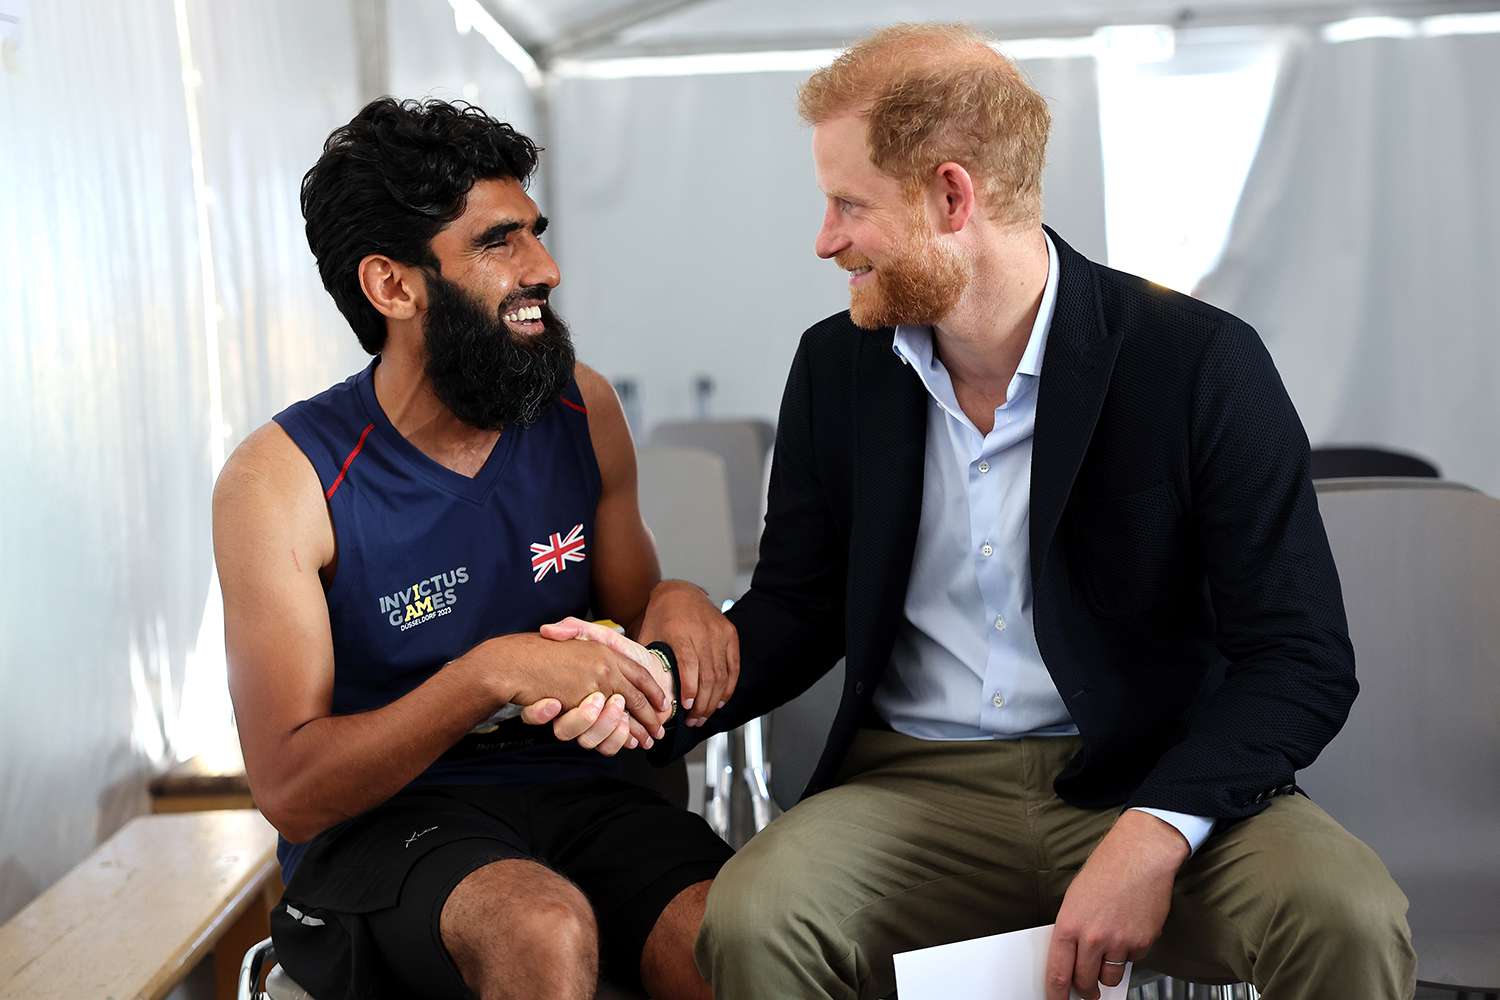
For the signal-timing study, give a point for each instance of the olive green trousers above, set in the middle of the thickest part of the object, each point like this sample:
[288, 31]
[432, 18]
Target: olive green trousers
[923, 843]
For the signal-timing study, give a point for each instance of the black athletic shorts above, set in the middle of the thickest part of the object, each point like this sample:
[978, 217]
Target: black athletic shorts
[360, 916]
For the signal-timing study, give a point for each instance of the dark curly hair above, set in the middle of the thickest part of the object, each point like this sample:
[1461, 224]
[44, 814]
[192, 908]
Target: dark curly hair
[389, 181]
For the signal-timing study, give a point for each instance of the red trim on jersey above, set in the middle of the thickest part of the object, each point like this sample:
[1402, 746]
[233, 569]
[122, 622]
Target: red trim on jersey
[349, 461]
[564, 400]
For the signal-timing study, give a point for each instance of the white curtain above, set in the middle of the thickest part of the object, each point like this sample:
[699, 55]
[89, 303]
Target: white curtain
[685, 211]
[430, 57]
[1366, 247]
[104, 400]
[278, 76]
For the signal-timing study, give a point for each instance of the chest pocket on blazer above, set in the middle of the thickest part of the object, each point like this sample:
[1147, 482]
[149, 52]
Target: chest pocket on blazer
[1127, 549]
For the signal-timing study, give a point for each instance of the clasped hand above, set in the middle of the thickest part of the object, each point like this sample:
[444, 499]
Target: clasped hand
[707, 651]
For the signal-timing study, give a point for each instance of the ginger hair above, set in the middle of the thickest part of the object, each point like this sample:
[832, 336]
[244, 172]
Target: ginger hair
[935, 93]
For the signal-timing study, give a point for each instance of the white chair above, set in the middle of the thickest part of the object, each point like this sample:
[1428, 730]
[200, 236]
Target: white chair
[743, 445]
[1415, 772]
[684, 496]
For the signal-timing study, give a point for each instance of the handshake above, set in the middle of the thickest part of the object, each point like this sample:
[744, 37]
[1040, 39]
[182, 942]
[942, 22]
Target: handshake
[609, 693]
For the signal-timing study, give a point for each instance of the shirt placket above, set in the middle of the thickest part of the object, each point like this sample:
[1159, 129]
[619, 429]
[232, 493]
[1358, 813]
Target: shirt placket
[985, 496]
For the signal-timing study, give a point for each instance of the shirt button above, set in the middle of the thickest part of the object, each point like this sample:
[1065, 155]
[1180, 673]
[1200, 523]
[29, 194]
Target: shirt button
[987, 550]
[998, 701]
[984, 467]
[999, 623]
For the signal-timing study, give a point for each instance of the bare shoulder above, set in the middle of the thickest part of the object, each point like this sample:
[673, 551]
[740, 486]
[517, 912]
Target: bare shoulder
[607, 427]
[268, 482]
[606, 416]
[266, 464]
[595, 388]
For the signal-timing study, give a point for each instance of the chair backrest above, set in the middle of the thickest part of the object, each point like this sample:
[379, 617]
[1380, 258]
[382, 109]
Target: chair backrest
[684, 496]
[1415, 773]
[796, 733]
[1364, 462]
[743, 445]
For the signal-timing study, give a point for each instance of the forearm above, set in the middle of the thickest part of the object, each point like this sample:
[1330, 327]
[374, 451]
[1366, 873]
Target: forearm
[633, 627]
[333, 768]
[1270, 718]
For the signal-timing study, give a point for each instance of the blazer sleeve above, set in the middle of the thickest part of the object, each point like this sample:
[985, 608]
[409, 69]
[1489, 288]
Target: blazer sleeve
[1289, 680]
[791, 621]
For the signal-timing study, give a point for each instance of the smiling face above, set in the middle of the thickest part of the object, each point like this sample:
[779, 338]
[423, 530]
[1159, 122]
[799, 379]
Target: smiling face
[496, 354]
[900, 272]
[494, 251]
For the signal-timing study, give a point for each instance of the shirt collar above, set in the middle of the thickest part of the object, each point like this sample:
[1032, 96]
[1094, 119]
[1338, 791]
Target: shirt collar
[913, 344]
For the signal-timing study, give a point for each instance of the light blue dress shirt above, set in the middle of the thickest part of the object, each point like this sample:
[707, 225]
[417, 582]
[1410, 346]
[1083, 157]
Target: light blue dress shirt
[965, 664]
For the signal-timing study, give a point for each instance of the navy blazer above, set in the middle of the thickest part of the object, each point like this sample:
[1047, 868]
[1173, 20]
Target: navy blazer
[1186, 602]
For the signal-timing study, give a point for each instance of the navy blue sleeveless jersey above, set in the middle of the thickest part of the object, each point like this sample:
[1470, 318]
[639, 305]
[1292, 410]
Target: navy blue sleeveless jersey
[430, 563]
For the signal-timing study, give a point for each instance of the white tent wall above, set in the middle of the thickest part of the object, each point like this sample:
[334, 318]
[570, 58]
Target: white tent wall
[1366, 245]
[685, 212]
[104, 398]
[278, 76]
[429, 57]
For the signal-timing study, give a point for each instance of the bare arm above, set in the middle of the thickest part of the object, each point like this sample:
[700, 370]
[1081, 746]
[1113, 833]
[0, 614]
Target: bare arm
[626, 567]
[309, 769]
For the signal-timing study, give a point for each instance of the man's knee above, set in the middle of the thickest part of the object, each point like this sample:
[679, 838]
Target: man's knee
[761, 901]
[557, 931]
[516, 922]
[738, 904]
[1322, 886]
[1354, 902]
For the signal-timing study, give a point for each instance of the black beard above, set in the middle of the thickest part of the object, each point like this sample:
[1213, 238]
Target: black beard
[487, 376]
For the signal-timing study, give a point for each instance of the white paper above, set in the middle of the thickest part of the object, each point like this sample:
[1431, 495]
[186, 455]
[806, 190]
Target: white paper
[1000, 967]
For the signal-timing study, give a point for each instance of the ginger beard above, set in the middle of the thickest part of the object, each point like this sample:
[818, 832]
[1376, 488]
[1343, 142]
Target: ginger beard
[919, 283]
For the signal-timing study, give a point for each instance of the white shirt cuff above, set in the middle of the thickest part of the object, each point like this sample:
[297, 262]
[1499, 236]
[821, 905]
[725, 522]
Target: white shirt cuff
[1194, 829]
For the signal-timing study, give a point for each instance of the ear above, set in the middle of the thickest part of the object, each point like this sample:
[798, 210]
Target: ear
[394, 289]
[952, 190]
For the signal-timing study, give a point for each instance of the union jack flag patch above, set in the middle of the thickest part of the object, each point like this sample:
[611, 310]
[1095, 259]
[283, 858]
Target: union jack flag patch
[557, 552]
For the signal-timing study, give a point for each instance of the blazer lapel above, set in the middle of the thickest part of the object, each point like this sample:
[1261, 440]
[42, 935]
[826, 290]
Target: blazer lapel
[1075, 376]
[890, 427]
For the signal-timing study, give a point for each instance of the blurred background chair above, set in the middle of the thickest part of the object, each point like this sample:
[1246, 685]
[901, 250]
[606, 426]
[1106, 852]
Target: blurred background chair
[1366, 462]
[743, 445]
[684, 494]
[1415, 772]
[685, 500]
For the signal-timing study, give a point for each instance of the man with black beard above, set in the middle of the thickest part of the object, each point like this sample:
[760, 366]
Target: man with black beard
[407, 559]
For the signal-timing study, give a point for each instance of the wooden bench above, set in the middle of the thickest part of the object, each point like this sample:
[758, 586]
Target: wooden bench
[202, 783]
[144, 909]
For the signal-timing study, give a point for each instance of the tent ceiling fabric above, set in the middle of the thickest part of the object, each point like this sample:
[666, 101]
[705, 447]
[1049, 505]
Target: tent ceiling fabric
[651, 27]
